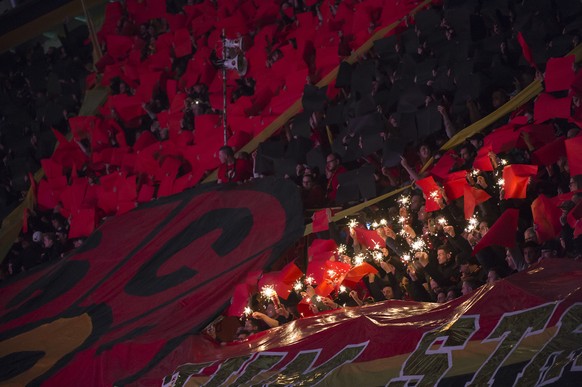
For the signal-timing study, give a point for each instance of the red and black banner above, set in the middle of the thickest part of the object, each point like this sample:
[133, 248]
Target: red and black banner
[124, 307]
[521, 331]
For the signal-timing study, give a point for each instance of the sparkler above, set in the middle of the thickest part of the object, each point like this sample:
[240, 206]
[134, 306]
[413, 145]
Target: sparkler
[401, 219]
[475, 172]
[472, 225]
[309, 280]
[501, 183]
[342, 289]
[383, 222]
[298, 286]
[375, 224]
[268, 291]
[503, 162]
[353, 223]
[418, 245]
[248, 311]
[434, 195]
[331, 273]
[359, 259]
[378, 256]
[406, 258]
[442, 221]
[341, 249]
[404, 200]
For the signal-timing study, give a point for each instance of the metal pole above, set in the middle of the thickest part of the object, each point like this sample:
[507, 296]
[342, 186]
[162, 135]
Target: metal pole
[224, 85]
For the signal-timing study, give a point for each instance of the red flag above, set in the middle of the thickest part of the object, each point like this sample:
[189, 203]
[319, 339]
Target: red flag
[455, 184]
[550, 153]
[502, 233]
[321, 220]
[240, 300]
[547, 107]
[431, 192]
[559, 73]
[290, 273]
[357, 273]
[325, 288]
[443, 166]
[574, 154]
[146, 193]
[82, 223]
[321, 249]
[546, 217]
[526, 50]
[274, 279]
[182, 43]
[473, 197]
[516, 178]
[503, 139]
[369, 238]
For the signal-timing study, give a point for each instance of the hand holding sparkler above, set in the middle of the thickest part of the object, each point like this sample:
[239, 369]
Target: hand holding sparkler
[388, 268]
[449, 230]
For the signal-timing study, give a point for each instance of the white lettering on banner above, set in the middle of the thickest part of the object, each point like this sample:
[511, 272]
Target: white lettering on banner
[511, 329]
[427, 366]
[432, 358]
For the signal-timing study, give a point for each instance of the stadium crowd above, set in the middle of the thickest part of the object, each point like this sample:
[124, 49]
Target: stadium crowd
[492, 205]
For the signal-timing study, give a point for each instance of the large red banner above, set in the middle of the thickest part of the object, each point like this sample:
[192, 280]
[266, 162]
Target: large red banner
[522, 331]
[126, 306]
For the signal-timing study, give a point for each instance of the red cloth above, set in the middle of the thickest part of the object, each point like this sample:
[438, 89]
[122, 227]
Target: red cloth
[357, 273]
[574, 154]
[482, 162]
[526, 50]
[559, 73]
[240, 300]
[516, 178]
[443, 166]
[473, 197]
[369, 238]
[502, 233]
[550, 153]
[455, 184]
[547, 107]
[321, 220]
[321, 249]
[82, 223]
[546, 218]
[428, 187]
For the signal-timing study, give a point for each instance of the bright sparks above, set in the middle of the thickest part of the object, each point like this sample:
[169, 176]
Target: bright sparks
[359, 259]
[442, 221]
[298, 286]
[378, 256]
[268, 291]
[418, 245]
[353, 223]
